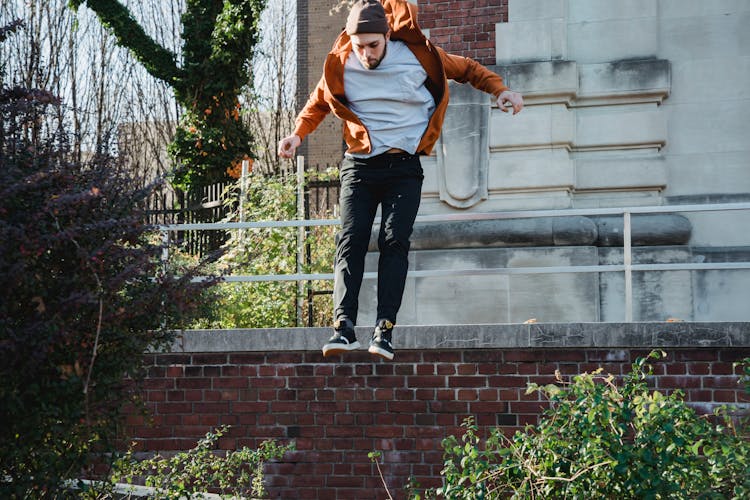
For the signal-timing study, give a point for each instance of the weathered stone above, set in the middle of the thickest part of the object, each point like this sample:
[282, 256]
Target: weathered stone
[463, 151]
[476, 297]
[657, 295]
[645, 230]
[540, 231]
[481, 336]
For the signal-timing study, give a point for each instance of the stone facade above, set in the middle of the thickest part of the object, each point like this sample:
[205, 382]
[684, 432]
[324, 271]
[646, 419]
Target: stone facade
[629, 103]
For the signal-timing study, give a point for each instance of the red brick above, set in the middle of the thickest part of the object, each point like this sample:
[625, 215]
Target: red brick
[209, 359]
[345, 381]
[519, 407]
[284, 358]
[238, 407]
[212, 371]
[267, 370]
[441, 356]
[473, 382]
[734, 355]
[231, 383]
[161, 383]
[507, 381]
[426, 369]
[489, 407]
[724, 396]
[404, 369]
[696, 355]
[530, 355]
[448, 407]
[219, 408]
[193, 383]
[407, 407]
[248, 371]
[175, 371]
[327, 407]
[383, 394]
[173, 359]
[347, 432]
[724, 369]
[678, 369]
[466, 394]
[442, 369]
[417, 381]
[297, 382]
[175, 407]
[247, 359]
[368, 406]
[720, 382]
[230, 371]
[385, 381]
[157, 396]
[381, 431]
[175, 395]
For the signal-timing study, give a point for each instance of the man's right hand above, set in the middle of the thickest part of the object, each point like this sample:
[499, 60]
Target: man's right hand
[288, 145]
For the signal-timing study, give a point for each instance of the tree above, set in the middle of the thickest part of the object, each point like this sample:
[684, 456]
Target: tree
[218, 40]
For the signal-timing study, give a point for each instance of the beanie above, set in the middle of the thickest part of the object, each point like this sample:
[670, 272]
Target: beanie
[366, 16]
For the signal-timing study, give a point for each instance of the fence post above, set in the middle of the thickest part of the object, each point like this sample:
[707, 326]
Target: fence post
[243, 191]
[627, 260]
[300, 234]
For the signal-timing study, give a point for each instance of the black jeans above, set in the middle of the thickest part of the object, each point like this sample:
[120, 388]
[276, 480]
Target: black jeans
[393, 181]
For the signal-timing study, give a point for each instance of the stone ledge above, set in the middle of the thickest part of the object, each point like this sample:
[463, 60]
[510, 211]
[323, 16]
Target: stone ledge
[495, 336]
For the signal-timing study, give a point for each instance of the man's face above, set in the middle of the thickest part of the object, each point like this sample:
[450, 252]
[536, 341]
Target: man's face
[370, 48]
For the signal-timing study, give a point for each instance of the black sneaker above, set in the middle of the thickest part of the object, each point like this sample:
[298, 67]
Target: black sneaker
[380, 345]
[344, 339]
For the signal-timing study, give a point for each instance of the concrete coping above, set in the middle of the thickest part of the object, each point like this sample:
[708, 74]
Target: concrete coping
[486, 336]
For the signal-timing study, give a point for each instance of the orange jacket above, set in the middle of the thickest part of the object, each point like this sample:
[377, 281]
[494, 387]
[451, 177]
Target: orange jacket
[329, 95]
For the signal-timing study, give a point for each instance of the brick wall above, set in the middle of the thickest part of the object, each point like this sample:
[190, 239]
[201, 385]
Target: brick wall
[464, 27]
[338, 412]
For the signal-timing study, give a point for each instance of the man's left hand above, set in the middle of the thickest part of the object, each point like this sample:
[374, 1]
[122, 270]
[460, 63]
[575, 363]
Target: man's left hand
[509, 97]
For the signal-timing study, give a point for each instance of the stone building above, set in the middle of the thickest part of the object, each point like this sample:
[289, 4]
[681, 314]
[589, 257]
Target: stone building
[629, 103]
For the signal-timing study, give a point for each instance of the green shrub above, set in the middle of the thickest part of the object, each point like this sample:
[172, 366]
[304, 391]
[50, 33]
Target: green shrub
[604, 440]
[238, 473]
[84, 295]
[267, 251]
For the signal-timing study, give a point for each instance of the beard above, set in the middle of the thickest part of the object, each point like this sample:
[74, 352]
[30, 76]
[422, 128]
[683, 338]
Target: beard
[374, 62]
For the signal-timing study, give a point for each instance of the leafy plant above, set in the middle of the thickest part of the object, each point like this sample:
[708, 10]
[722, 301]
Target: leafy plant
[238, 472]
[604, 440]
[265, 251]
[84, 296]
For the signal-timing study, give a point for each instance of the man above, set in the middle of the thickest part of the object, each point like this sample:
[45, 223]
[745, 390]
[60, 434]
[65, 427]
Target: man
[388, 84]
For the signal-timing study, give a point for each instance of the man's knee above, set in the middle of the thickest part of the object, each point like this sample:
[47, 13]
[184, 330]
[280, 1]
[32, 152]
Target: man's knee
[390, 243]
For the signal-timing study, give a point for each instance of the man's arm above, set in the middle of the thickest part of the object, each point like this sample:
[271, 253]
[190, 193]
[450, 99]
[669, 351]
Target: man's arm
[465, 70]
[307, 120]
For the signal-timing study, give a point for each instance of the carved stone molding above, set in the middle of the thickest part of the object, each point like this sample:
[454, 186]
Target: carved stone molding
[462, 150]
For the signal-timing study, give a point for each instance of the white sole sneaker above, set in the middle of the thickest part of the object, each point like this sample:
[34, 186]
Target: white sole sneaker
[339, 348]
[378, 351]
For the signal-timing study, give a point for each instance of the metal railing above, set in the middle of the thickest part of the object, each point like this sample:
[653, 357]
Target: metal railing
[627, 267]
